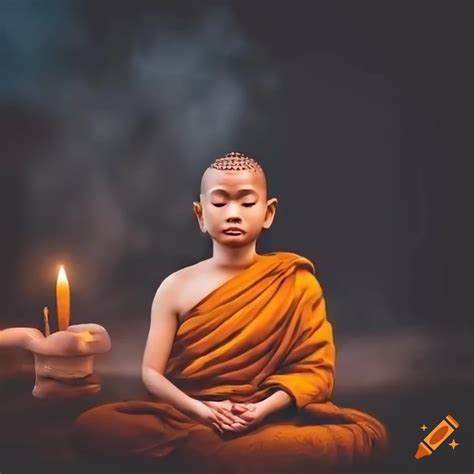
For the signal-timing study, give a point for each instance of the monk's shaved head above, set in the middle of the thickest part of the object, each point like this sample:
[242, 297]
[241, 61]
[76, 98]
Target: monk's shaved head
[236, 161]
[232, 162]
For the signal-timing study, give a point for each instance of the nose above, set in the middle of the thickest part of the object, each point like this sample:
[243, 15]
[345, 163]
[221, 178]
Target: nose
[232, 214]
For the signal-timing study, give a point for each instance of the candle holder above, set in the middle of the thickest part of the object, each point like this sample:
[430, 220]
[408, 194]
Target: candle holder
[64, 360]
[64, 376]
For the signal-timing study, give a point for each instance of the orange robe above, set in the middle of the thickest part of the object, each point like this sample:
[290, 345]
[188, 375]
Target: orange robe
[261, 331]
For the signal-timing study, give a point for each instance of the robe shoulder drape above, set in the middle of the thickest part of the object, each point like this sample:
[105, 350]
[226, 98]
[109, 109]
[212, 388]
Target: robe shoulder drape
[264, 330]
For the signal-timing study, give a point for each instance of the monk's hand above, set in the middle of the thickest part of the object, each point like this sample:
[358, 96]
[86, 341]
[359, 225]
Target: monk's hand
[205, 415]
[227, 420]
[252, 413]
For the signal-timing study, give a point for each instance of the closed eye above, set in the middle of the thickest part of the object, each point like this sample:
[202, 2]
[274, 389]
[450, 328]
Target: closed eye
[247, 204]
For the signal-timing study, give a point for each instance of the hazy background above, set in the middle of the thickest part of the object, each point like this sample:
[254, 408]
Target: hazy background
[110, 112]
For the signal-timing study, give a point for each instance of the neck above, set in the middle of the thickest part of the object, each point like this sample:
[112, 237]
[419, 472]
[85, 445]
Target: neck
[233, 257]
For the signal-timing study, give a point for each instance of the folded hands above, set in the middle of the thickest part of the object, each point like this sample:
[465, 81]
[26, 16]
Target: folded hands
[230, 416]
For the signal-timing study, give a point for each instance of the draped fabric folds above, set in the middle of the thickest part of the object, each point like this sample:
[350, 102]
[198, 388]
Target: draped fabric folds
[261, 331]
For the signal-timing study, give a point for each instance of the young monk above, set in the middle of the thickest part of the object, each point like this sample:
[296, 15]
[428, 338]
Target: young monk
[240, 355]
[233, 210]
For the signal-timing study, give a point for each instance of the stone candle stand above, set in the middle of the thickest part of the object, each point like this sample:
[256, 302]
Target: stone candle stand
[64, 360]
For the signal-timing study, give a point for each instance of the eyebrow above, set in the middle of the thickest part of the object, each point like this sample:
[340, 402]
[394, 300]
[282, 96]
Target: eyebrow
[239, 192]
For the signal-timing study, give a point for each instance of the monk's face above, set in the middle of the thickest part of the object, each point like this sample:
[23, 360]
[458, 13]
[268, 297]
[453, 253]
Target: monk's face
[234, 199]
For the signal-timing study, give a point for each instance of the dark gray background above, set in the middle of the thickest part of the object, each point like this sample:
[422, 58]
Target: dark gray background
[110, 112]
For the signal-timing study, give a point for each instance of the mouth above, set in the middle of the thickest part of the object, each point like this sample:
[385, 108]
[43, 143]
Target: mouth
[233, 232]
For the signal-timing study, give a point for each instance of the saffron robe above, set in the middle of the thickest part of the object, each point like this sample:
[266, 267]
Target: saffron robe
[263, 330]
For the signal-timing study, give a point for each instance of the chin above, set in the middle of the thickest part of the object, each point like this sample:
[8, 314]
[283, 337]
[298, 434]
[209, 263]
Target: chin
[234, 241]
[233, 244]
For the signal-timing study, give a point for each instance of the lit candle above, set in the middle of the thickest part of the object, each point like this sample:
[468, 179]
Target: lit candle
[62, 299]
[64, 360]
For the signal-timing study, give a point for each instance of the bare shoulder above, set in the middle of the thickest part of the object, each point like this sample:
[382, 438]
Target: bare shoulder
[180, 275]
[186, 273]
[177, 282]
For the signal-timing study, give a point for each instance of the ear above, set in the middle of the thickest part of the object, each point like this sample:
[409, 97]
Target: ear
[272, 205]
[197, 208]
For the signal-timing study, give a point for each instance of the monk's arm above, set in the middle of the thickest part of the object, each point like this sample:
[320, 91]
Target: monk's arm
[167, 392]
[163, 327]
[275, 402]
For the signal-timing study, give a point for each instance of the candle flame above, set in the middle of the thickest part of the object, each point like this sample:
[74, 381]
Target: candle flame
[62, 275]
[62, 299]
